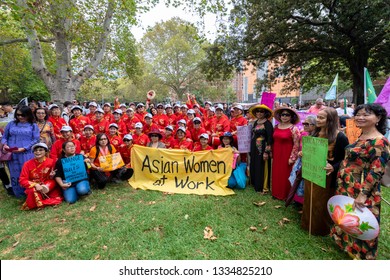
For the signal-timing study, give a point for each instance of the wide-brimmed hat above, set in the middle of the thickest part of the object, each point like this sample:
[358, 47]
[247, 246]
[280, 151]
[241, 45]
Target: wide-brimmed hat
[227, 134]
[253, 109]
[294, 120]
[155, 132]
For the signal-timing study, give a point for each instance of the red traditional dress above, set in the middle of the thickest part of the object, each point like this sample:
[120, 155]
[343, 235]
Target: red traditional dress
[168, 141]
[35, 172]
[77, 124]
[172, 119]
[121, 127]
[207, 122]
[237, 121]
[115, 140]
[184, 144]
[100, 126]
[109, 117]
[141, 139]
[219, 126]
[87, 143]
[199, 148]
[148, 128]
[141, 116]
[57, 123]
[285, 147]
[56, 149]
[161, 121]
[125, 152]
[130, 123]
[91, 117]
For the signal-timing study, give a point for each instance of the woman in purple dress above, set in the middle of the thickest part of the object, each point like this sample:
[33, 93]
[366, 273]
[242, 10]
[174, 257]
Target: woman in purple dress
[19, 136]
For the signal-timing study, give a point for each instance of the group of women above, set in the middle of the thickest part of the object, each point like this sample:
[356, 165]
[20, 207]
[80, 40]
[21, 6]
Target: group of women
[353, 170]
[41, 178]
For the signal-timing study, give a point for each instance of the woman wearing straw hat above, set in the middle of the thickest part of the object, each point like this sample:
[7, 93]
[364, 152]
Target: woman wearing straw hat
[260, 150]
[155, 137]
[285, 150]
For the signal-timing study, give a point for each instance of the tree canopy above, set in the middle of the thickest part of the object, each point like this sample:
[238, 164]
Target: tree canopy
[310, 41]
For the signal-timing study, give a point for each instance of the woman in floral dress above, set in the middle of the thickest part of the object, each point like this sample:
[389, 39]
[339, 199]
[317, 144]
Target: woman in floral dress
[360, 176]
[46, 129]
[260, 149]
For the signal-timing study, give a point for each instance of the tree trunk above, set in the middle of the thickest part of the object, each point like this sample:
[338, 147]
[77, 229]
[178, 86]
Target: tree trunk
[357, 64]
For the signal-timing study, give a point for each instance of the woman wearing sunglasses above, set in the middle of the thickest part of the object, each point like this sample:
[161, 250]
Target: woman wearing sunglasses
[37, 180]
[285, 150]
[19, 136]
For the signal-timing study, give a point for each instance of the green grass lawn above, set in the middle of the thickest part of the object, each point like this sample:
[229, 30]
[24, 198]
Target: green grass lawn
[121, 223]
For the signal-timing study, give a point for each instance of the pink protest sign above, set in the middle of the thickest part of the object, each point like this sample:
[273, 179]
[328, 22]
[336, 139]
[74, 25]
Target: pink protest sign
[268, 98]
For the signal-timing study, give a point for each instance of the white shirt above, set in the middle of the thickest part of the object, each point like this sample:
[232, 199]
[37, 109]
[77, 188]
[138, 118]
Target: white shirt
[340, 111]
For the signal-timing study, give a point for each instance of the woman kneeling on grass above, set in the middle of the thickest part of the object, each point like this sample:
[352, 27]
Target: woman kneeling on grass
[37, 179]
[71, 191]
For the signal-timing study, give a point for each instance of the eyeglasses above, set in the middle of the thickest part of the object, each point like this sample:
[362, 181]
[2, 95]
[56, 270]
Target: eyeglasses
[126, 140]
[196, 122]
[103, 139]
[305, 123]
[285, 115]
[260, 111]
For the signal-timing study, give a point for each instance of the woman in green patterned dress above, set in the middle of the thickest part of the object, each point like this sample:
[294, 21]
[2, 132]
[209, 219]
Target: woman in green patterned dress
[360, 176]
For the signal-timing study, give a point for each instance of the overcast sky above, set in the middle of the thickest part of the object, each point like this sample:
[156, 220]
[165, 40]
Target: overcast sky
[162, 13]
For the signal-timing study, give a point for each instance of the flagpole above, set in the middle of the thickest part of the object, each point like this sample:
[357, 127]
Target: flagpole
[365, 85]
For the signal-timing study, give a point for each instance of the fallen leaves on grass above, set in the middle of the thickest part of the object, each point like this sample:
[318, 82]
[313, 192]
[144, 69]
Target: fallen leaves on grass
[252, 228]
[186, 216]
[265, 228]
[15, 244]
[168, 193]
[283, 221]
[259, 203]
[277, 206]
[93, 208]
[97, 257]
[105, 247]
[209, 234]
[151, 202]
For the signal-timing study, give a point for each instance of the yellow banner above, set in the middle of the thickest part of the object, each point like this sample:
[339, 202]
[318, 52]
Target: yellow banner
[111, 162]
[180, 171]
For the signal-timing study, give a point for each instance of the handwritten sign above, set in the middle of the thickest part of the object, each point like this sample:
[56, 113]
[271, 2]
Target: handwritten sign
[315, 153]
[111, 162]
[180, 171]
[268, 98]
[244, 138]
[74, 169]
[352, 131]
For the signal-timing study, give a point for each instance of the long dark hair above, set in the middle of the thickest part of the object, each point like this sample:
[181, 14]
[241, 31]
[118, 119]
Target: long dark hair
[63, 147]
[379, 111]
[44, 109]
[332, 124]
[100, 135]
[25, 111]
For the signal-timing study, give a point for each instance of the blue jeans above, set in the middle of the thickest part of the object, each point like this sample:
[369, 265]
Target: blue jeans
[72, 193]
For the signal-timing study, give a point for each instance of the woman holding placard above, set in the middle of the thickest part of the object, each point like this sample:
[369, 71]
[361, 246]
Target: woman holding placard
[315, 216]
[37, 180]
[75, 187]
[360, 176]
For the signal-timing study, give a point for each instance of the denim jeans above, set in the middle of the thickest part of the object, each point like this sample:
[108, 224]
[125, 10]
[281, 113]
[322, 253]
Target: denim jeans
[72, 193]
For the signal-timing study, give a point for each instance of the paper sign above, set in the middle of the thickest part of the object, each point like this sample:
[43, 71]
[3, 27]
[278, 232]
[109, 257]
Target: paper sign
[352, 131]
[74, 169]
[111, 162]
[244, 138]
[315, 153]
[268, 98]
